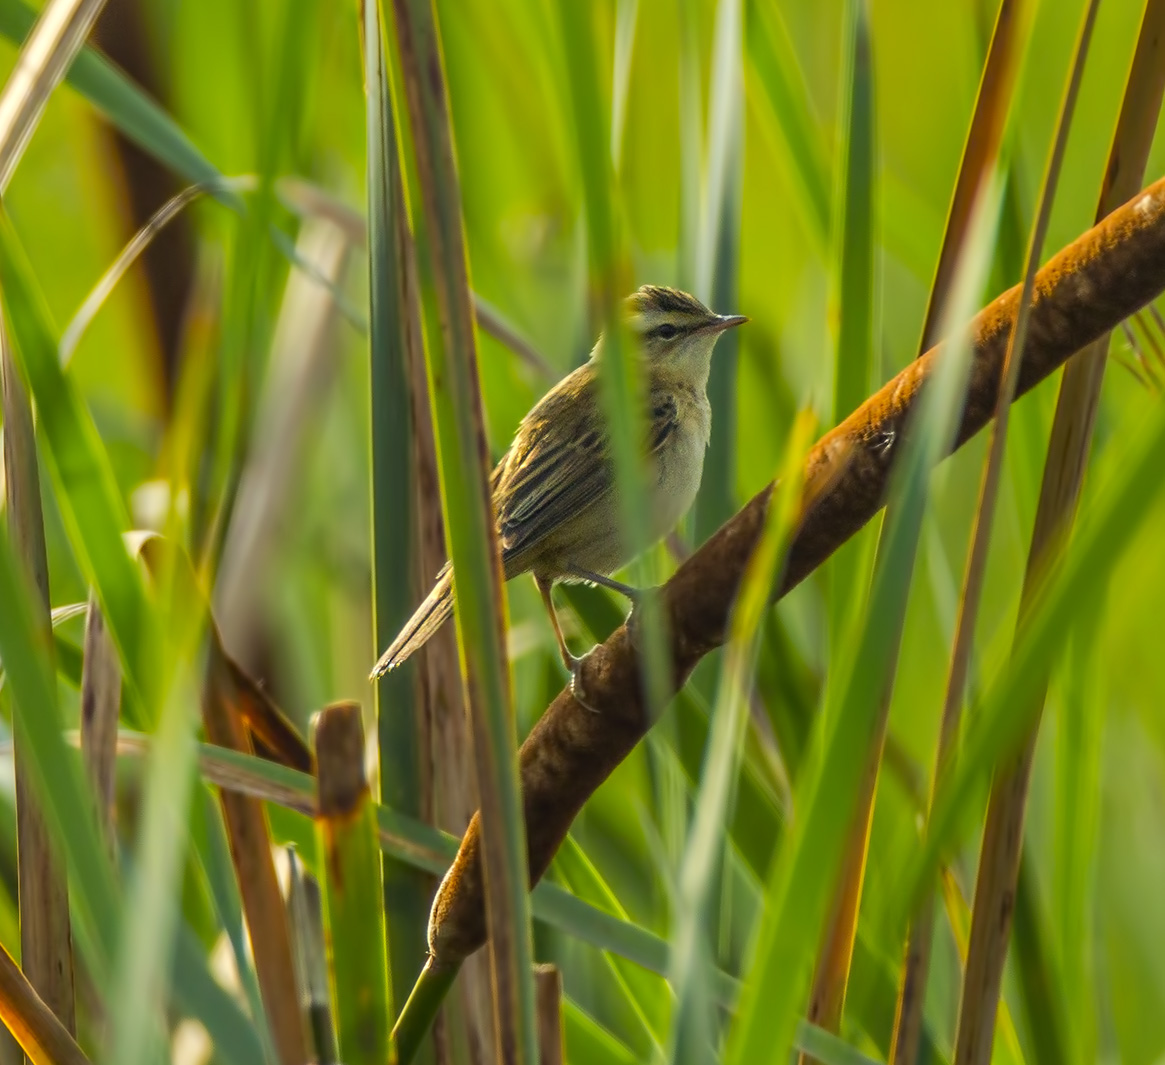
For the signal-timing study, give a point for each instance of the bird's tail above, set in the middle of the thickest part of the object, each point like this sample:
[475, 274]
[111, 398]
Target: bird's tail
[426, 620]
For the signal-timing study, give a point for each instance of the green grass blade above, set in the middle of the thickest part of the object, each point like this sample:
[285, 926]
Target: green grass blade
[46, 949]
[88, 496]
[622, 389]
[854, 265]
[693, 1031]
[802, 878]
[1007, 707]
[451, 351]
[718, 265]
[56, 773]
[392, 330]
[774, 62]
[352, 890]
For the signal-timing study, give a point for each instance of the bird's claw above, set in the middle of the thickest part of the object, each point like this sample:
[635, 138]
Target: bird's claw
[576, 686]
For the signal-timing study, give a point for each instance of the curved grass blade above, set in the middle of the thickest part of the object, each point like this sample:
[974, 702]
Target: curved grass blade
[108, 89]
[41, 1036]
[353, 897]
[56, 37]
[462, 451]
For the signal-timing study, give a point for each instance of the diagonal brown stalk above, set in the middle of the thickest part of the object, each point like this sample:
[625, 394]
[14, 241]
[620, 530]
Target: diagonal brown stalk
[980, 155]
[250, 846]
[1088, 288]
[1063, 473]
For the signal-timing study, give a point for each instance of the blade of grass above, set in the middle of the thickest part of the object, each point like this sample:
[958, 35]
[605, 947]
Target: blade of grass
[57, 36]
[427, 848]
[774, 62]
[100, 706]
[980, 151]
[693, 1031]
[1057, 603]
[306, 906]
[403, 725]
[69, 810]
[718, 264]
[621, 387]
[999, 864]
[980, 158]
[138, 992]
[91, 505]
[42, 1037]
[854, 279]
[108, 89]
[353, 893]
[462, 451]
[46, 948]
[802, 879]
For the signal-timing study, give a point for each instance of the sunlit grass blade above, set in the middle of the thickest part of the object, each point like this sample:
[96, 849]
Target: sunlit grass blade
[803, 875]
[352, 889]
[87, 492]
[630, 987]
[775, 65]
[718, 263]
[1059, 600]
[139, 989]
[621, 385]
[694, 1026]
[58, 34]
[451, 350]
[999, 855]
[980, 152]
[403, 733]
[853, 279]
[134, 113]
[46, 949]
[41, 1036]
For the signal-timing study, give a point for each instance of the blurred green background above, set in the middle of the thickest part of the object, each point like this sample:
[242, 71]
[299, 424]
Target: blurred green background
[274, 88]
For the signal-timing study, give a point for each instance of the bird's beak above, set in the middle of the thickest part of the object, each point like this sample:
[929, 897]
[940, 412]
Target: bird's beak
[726, 321]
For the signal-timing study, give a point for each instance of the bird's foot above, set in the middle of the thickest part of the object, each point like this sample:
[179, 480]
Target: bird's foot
[574, 666]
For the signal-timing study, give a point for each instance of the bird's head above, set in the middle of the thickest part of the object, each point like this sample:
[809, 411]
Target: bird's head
[676, 330]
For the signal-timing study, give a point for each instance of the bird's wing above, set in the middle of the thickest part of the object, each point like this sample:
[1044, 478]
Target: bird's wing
[550, 475]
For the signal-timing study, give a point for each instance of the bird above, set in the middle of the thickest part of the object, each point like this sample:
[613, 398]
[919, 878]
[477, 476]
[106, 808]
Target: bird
[553, 492]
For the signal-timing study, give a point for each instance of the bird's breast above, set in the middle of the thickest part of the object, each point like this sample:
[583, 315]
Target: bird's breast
[679, 466]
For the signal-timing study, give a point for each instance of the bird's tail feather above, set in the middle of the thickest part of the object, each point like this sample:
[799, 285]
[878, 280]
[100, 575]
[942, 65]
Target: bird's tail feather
[426, 620]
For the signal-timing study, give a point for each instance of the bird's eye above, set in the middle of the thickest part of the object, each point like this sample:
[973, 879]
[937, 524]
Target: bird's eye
[666, 331]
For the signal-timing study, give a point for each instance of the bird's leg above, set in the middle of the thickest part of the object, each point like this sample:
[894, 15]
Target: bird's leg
[634, 594]
[572, 663]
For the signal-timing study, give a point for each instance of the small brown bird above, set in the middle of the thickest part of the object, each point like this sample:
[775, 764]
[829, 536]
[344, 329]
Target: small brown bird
[554, 491]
